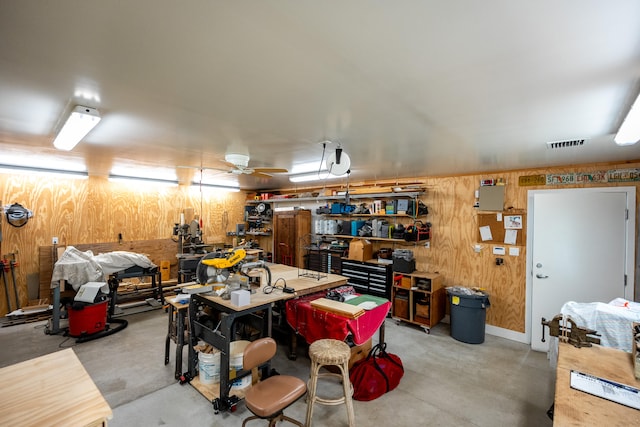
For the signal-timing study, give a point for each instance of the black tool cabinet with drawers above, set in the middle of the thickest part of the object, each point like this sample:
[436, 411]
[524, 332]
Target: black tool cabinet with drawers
[368, 277]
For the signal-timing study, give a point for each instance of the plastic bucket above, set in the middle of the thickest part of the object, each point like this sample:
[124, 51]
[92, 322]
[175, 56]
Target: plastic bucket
[209, 367]
[236, 350]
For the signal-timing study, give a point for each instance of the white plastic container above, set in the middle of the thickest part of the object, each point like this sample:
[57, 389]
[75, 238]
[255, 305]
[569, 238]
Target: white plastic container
[209, 367]
[236, 350]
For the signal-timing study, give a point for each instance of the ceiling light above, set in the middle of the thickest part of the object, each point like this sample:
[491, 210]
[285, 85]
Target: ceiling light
[226, 188]
[78, 124]
[45, 171]
[140, 179]
[629, 132]
[315, 176]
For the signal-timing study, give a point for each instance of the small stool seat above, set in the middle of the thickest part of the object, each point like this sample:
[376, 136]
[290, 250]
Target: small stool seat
[329, 352]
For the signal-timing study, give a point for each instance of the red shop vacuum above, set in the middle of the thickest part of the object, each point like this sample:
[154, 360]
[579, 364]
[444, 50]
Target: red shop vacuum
[89, 314]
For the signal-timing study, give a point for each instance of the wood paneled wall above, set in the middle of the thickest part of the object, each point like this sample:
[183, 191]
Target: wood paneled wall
[96, 210]
[455, 232]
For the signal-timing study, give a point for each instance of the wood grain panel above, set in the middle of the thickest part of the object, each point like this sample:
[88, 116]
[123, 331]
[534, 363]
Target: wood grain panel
[95, 211]
[454, 233]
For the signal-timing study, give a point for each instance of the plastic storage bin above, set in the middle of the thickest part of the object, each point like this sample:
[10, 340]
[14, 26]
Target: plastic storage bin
[468, 315]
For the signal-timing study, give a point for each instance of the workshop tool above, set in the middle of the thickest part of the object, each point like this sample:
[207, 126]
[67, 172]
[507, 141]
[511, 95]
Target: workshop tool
[5, 270]
[14, 264]
[217, 267]
[112, 325]
[566, 329]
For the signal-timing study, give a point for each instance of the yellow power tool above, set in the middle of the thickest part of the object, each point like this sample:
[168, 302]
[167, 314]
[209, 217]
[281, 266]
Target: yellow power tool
[217, 267]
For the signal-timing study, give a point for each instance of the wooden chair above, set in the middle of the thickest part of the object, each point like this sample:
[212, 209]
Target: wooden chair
[286, 257]
[268, 398]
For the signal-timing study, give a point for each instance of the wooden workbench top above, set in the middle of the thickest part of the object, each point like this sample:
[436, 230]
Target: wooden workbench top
[51, 390]
[290, 275]
[577, 408]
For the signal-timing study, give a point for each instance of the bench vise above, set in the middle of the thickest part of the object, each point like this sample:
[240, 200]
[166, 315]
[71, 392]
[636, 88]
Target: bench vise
[566, 329]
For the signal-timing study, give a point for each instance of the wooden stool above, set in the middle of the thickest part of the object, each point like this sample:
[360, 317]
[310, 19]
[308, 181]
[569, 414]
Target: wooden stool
[329, 352]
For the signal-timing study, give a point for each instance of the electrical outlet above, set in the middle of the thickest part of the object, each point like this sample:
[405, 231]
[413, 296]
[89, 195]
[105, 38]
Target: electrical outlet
[54, 241]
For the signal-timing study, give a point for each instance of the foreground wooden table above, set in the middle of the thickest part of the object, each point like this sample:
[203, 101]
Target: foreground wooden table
[52, 390]
[577, 408]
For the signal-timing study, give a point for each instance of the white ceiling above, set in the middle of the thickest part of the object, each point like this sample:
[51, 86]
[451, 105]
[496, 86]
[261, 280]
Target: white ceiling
[408, 88]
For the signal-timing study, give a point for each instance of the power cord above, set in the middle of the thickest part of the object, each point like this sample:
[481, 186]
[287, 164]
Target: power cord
[284, 288]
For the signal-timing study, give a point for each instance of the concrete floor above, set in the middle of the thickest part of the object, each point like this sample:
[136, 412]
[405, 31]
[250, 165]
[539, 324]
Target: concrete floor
[446, 382]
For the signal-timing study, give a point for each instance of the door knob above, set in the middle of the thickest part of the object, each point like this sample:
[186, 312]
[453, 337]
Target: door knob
[541, 276]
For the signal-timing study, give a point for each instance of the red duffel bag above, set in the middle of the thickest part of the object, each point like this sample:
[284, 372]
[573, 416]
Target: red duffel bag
[375, 375]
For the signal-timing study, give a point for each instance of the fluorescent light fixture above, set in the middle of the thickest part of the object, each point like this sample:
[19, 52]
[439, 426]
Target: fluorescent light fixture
[139, 179]
[80, 122]
[302, 168]
[629, 132]
[43, 171]
[226, 188]
[315, 176]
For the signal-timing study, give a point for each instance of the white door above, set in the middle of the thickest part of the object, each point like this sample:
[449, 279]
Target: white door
[579, 250]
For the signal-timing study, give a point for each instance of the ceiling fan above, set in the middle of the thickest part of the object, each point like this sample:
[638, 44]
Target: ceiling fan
[240, 165]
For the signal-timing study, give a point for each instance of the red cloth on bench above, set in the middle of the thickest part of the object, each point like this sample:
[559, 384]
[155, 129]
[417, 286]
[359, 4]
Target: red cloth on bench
[314, 324]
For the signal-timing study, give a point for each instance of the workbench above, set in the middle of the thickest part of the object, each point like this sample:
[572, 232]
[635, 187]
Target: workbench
[258, 312]
[577, 408]
[51, 390]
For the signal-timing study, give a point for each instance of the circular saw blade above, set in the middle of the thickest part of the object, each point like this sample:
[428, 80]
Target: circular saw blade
[217, 275]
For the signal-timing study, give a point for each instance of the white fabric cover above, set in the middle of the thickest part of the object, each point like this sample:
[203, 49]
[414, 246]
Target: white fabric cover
[77, 267]
[612, 321]
[112, 262]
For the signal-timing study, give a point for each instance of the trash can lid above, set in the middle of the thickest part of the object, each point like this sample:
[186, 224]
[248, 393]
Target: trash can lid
[465, 292]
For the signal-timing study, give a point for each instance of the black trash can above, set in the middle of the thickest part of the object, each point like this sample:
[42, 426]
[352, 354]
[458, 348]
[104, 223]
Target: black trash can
[468, 315]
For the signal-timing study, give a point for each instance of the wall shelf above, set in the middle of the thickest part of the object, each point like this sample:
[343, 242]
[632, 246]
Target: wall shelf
[400, 194]
[377, 239]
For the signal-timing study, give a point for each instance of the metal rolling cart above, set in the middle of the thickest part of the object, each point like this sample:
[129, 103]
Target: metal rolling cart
[258, 315]
[214, 320]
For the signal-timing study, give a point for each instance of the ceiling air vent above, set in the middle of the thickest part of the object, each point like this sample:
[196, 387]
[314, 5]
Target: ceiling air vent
[565, 144]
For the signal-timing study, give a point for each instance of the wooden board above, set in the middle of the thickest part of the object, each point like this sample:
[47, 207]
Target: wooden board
[577, 408]
[51, 390]
[337, 307]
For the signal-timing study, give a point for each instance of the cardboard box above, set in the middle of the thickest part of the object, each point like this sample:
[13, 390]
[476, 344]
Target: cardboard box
[358, 352]
[360, 250]
[401, 306]
[422, 309]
